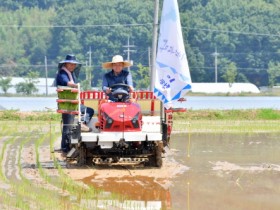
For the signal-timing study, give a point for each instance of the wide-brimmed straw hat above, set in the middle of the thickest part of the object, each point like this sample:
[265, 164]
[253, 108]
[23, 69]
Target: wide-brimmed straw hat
[116, 59]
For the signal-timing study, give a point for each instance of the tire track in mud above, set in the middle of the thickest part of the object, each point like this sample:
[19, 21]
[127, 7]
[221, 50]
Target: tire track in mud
[3, 181]
[12, 175]
[11, 171]
[5, 184]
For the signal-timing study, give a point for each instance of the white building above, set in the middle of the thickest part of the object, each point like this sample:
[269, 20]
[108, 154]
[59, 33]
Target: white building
[224, 88]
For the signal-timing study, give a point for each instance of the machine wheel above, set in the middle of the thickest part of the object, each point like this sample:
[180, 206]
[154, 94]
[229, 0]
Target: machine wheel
[82, 157]
[156, 159]
[158, 156]
[89, 161]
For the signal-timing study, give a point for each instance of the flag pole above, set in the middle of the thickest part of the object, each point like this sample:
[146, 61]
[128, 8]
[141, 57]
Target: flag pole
[154, 54]
[154, 47]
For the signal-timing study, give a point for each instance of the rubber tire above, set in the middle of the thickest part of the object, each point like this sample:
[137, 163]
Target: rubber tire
[82, 157]
[155, 160]
[158, 157]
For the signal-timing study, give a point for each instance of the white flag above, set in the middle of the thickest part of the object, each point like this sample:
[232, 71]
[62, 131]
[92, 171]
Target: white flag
[172, 78]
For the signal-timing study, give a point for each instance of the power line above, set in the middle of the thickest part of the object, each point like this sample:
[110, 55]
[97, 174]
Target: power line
[242, 53]
[76, 26]
[128, 46]
[211, 67]
[235, 32]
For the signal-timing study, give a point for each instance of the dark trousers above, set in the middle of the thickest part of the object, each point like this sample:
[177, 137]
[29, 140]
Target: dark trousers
[68, 121]
[87, 112]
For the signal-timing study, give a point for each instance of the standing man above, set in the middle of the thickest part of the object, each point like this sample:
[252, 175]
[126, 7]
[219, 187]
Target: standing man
[116, 75]
[66, 77]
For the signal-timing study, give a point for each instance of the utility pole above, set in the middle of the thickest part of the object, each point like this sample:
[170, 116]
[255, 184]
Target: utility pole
[149, 59]
[154, 47]
[128, 51]
[46, 73]
[89, 60]
[216, 54]
[88, 70]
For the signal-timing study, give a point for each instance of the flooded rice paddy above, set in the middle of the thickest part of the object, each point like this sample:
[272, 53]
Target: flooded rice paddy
[228, 172]
[223, 171]
[200, 171]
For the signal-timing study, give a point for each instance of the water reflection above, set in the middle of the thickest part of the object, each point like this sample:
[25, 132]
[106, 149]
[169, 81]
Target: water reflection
[226, 171]
[131, 193]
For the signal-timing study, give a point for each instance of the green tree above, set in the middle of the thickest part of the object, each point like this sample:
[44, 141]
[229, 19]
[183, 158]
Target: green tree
[28, 86]
[85, 85]
[143, 77]
[105, 26]
[245, 32]
[5, 84]
[87, 73]
[241, 78]
[273, 73]
[23, 39]
[230, 74]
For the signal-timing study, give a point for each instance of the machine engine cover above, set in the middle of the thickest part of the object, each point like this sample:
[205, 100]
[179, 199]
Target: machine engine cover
[120, 116]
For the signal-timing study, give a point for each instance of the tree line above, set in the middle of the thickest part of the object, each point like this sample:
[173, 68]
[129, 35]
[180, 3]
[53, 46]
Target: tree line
[244, 35]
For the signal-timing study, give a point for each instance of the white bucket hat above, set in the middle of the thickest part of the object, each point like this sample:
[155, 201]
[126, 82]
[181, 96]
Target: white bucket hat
[116, 59]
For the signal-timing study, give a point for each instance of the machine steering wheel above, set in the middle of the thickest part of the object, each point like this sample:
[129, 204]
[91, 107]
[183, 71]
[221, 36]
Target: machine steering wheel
[120, 91]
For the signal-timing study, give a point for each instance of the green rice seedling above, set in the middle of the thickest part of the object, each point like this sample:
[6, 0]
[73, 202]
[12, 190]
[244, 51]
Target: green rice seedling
[229, 126]
[14, 187]
[7, 199]
[65, 182]
[42, 196]
[38, 163]
[4, 129]
[22, 193]
[254, 114]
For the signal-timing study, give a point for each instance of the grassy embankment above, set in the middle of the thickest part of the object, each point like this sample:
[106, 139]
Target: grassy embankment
[260, 120]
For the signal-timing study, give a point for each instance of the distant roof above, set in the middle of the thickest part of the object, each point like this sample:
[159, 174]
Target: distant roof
[224, 88]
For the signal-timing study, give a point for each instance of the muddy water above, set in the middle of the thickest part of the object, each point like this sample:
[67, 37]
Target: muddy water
[225, 171]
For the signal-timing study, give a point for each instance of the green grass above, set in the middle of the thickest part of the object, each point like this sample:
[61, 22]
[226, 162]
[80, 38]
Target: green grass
[251, 114]
[226, 126]
[29, 116]
[255, 120]
[234, 121]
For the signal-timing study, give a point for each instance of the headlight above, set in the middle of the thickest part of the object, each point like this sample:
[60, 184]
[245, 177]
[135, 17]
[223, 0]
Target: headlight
[135, 121]
[109, 121]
